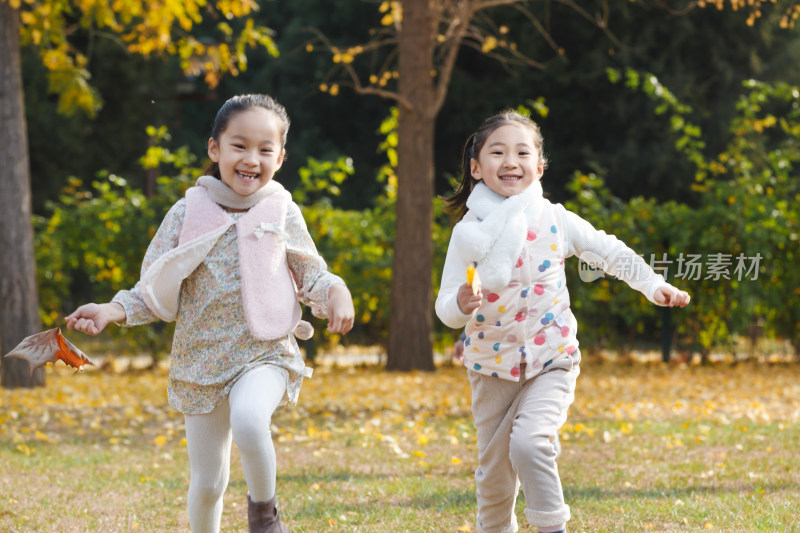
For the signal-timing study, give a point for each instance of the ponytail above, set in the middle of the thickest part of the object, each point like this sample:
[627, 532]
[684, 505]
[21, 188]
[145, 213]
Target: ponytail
[456, 204]
[213, 170]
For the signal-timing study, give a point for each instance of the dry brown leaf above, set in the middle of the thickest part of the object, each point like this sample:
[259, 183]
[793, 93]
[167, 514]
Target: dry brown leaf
[48, 347]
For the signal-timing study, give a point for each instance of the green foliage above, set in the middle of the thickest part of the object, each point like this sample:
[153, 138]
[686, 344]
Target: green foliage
[745, 207]
[610, 313]
[319, 179]
[688, 135]
[744, 220]
[92, 243]
[358, 244]
[763, 191]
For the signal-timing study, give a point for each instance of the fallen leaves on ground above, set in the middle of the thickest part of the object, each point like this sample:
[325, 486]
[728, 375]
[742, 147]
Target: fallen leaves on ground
[407, 413]
[118, 409]
[369, 450]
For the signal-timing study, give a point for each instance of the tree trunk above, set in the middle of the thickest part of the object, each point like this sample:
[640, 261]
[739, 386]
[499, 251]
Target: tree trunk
[411, 318]
[19, 316]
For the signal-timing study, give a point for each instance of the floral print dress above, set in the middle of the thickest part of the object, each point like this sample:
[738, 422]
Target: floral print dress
[213, 347]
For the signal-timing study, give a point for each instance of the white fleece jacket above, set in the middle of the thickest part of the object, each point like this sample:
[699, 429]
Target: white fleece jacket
[579, 237]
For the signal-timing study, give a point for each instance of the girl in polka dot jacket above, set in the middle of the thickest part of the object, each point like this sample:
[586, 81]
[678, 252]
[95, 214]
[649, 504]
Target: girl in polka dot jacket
[521, 349]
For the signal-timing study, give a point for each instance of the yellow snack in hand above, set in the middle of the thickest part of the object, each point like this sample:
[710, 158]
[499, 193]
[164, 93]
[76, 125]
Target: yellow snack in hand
[470, 273]
[473, 279]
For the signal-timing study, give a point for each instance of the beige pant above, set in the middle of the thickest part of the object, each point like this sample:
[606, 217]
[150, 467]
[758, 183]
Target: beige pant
[517, 425]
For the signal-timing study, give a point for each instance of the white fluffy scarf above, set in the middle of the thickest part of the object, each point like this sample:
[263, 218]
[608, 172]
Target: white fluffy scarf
[494, 241]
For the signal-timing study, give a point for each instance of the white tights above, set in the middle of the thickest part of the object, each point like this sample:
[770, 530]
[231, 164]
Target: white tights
[243, 417]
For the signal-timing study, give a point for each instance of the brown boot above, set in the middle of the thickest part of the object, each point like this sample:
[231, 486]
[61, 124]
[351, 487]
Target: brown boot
[263, 516]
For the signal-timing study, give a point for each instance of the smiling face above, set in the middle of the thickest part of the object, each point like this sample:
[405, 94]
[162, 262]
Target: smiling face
[249, 151]
[508, 162]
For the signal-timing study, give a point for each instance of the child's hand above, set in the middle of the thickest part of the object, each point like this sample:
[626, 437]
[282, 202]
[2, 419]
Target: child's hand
[672, 297]
[340, 309]
[92, 318]
[467, 301]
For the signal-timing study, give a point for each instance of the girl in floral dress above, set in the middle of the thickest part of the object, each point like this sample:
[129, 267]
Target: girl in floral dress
[521, 346]
[229, 263]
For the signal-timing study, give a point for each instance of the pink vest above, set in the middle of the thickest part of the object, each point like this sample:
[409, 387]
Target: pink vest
[269, 294]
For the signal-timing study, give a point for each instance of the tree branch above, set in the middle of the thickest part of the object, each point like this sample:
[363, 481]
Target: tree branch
[518, 59]
[539, 27]
[690, 6]
[353, 75]
[601, 23]
[453, 38]
[486, 4]
[360, 89]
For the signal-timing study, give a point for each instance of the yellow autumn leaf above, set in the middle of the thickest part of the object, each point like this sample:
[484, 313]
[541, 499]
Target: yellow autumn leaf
[25, 449]
[489, 44]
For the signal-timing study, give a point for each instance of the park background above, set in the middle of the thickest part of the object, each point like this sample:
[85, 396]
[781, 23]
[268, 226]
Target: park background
[673, 125]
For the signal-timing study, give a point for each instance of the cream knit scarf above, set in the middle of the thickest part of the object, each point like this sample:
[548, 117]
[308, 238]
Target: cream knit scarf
[494, 241]
[227, 197]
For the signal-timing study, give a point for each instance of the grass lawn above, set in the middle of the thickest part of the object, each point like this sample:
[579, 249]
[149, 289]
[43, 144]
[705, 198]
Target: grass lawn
[646, 448]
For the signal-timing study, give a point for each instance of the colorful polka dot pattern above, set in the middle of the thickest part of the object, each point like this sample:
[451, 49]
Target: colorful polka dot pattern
[525, 321]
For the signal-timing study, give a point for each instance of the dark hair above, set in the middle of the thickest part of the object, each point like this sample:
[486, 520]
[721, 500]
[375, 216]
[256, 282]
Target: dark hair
[456, 204]
[237, 104]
